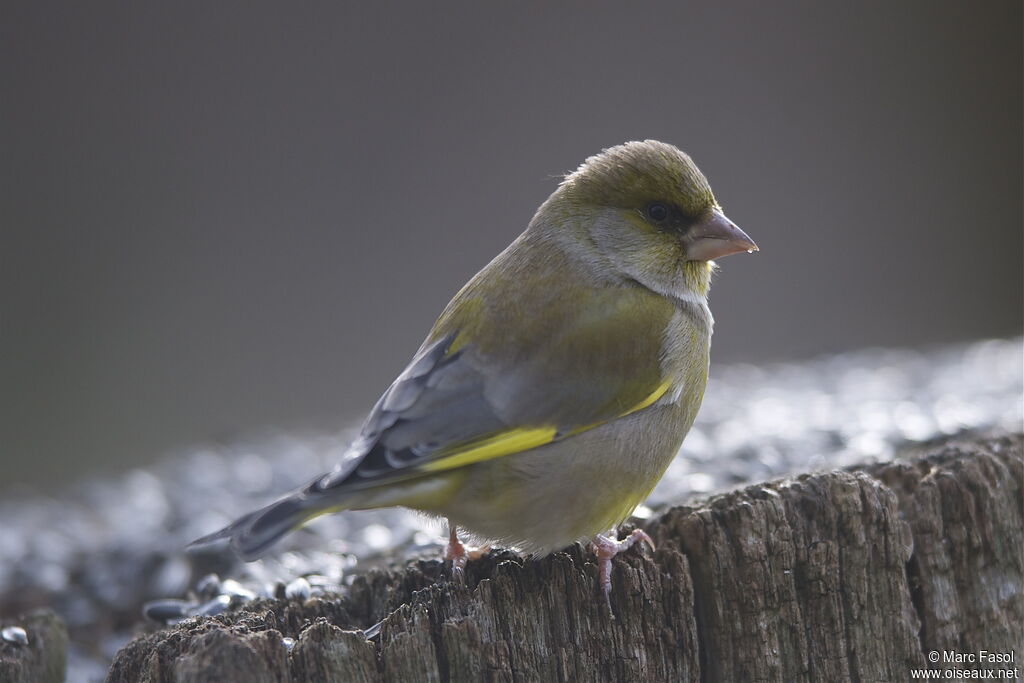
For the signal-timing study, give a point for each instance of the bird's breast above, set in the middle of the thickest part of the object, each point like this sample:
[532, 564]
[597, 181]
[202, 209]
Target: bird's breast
[685, 355]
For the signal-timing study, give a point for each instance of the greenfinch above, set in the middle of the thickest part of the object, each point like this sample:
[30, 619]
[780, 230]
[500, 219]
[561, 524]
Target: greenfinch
[558, 384]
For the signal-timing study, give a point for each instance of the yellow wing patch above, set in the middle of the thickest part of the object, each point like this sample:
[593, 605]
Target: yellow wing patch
[654, 396]
[520, 439]
[505, 443]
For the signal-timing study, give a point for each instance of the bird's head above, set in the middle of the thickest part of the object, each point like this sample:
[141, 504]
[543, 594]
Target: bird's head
[647, 208]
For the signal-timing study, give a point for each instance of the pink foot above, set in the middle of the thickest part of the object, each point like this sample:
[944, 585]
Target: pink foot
[455, 553]
[458, 554]
[606, 548]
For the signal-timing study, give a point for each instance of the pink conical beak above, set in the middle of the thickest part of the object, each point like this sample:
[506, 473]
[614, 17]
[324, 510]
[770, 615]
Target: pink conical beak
[715, 237]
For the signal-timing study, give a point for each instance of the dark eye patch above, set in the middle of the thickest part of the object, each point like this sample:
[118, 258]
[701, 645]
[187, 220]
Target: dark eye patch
[667, 217]
[657, 212]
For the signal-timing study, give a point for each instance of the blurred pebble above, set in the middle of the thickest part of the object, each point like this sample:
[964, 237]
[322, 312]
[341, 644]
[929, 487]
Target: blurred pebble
[233, 589]
[253, 472]
[643, 512]
[167, 611]
[14, 634]
[699, 482]
[299, 589]
[377, 536]
[208, 586]
[211, 608]
[172, 577]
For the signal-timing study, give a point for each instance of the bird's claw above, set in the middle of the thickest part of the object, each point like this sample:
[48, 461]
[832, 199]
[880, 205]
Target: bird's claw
[606, 548]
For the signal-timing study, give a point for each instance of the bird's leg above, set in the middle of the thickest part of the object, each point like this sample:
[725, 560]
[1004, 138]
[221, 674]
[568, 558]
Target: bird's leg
[606, 547]
[455, 553]
[458, 554]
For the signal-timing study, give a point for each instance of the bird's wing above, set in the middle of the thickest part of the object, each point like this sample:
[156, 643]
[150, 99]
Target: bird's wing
[467, 397]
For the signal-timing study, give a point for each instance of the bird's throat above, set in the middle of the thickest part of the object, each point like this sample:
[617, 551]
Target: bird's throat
[696, 277]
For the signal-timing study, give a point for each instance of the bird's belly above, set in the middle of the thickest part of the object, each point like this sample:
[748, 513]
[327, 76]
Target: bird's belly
[541, 500]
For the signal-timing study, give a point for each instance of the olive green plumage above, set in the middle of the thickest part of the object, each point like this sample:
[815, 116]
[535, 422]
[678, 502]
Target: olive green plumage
[558, 384]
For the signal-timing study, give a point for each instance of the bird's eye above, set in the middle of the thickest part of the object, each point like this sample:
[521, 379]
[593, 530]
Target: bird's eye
[656, 211]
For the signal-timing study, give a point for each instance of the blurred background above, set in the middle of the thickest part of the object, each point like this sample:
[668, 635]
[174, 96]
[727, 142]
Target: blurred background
[226, 218]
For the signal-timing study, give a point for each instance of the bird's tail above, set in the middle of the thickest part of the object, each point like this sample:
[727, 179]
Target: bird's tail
[252, 535]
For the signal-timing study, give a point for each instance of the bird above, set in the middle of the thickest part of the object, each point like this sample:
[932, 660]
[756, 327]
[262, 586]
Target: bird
[557, 385]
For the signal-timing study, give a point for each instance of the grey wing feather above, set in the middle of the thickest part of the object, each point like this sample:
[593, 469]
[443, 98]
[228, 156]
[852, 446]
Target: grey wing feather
[438, 401]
